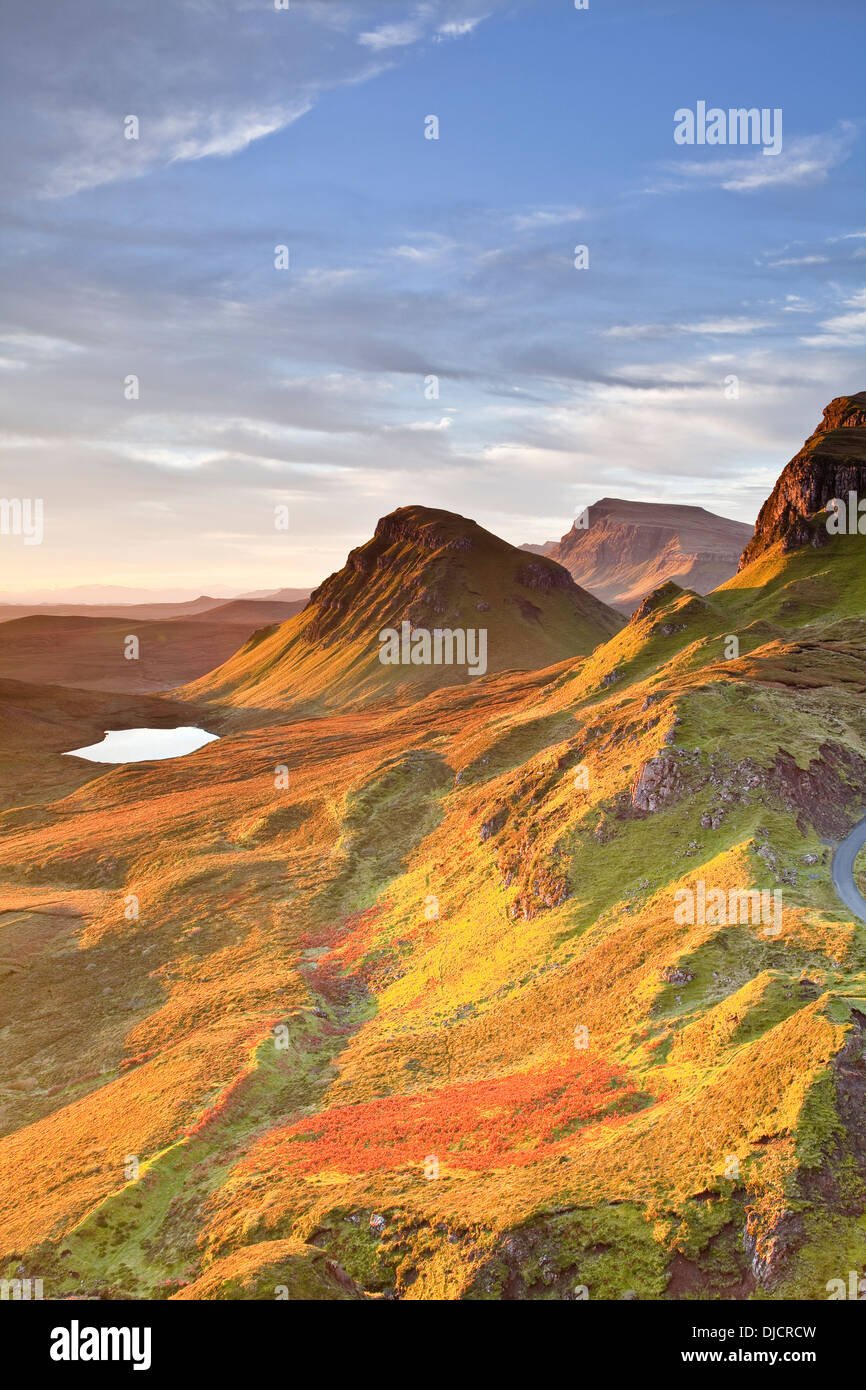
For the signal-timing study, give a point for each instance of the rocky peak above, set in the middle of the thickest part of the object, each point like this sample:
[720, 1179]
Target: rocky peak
[831, 463]
[845, 412]
[427, 528]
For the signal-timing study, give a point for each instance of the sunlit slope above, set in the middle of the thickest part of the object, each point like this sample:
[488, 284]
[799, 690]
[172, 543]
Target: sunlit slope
[780, 601]
[433, 570]
[358, 996]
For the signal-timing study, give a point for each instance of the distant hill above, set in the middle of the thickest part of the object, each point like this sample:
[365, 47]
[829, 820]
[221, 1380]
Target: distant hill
[279, 595]
[157, 608]
[189, 608]
[103, 595]
[627, 549]
[430, 569]
[254, 612]
[87, 651]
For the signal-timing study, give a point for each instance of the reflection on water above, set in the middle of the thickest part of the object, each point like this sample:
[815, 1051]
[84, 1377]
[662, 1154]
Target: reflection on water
[143, 745]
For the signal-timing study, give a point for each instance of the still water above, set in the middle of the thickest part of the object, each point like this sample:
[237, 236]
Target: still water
[143, 745]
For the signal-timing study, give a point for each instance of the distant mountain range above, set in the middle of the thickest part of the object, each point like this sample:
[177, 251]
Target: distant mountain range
[95, 601]
[620, 550]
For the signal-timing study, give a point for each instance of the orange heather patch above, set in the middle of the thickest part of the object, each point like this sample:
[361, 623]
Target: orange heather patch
[505, 1122]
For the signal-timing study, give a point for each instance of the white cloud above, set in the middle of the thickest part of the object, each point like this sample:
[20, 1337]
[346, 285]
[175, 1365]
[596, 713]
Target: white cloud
[806, 159]
[321, 279]
[547, 217]
[393, 35]
[799, 260]
[434, 250]
[33, 349]
[420, 426]
[457, 28]
[421, 24]
[724, 326]
[843, 330]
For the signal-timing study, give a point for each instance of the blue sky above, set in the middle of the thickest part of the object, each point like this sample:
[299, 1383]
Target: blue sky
[409, 257]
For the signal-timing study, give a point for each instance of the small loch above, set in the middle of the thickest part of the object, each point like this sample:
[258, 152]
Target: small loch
[144, 745]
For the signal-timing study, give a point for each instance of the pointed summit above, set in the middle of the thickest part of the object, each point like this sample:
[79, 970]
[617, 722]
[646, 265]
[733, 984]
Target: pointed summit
[424, 570]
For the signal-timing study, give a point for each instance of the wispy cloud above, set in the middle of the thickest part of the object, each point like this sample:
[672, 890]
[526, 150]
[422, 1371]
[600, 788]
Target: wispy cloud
[200, 89]
[704, 327]
[798, 260]
[458, 28]
[106, 156]
[425, 21]
[432, 248]
[547, 217]
[393, 35]
[804, 160]
[847, 329]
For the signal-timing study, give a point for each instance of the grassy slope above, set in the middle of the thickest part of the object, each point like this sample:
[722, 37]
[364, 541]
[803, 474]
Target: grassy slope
[426, 915]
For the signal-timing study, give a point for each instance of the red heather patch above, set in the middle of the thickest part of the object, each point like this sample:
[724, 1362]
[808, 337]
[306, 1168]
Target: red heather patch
[354, 927]
[506, 1122]
[348, 942]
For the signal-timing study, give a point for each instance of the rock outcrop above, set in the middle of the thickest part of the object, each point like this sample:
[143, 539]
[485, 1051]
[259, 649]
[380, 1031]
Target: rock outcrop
[830, 464]
[658, 783]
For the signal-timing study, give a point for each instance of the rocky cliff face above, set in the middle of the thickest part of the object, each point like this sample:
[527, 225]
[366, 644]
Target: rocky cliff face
[831, 463]
[628, 549]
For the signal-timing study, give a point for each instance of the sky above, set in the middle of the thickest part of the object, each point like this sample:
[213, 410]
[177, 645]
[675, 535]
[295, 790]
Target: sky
[305, 392]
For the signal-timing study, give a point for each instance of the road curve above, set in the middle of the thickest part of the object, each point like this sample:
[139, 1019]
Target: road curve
[843, 870]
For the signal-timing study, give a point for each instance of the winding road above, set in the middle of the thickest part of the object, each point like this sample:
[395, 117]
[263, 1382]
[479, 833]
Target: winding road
[843, 870]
